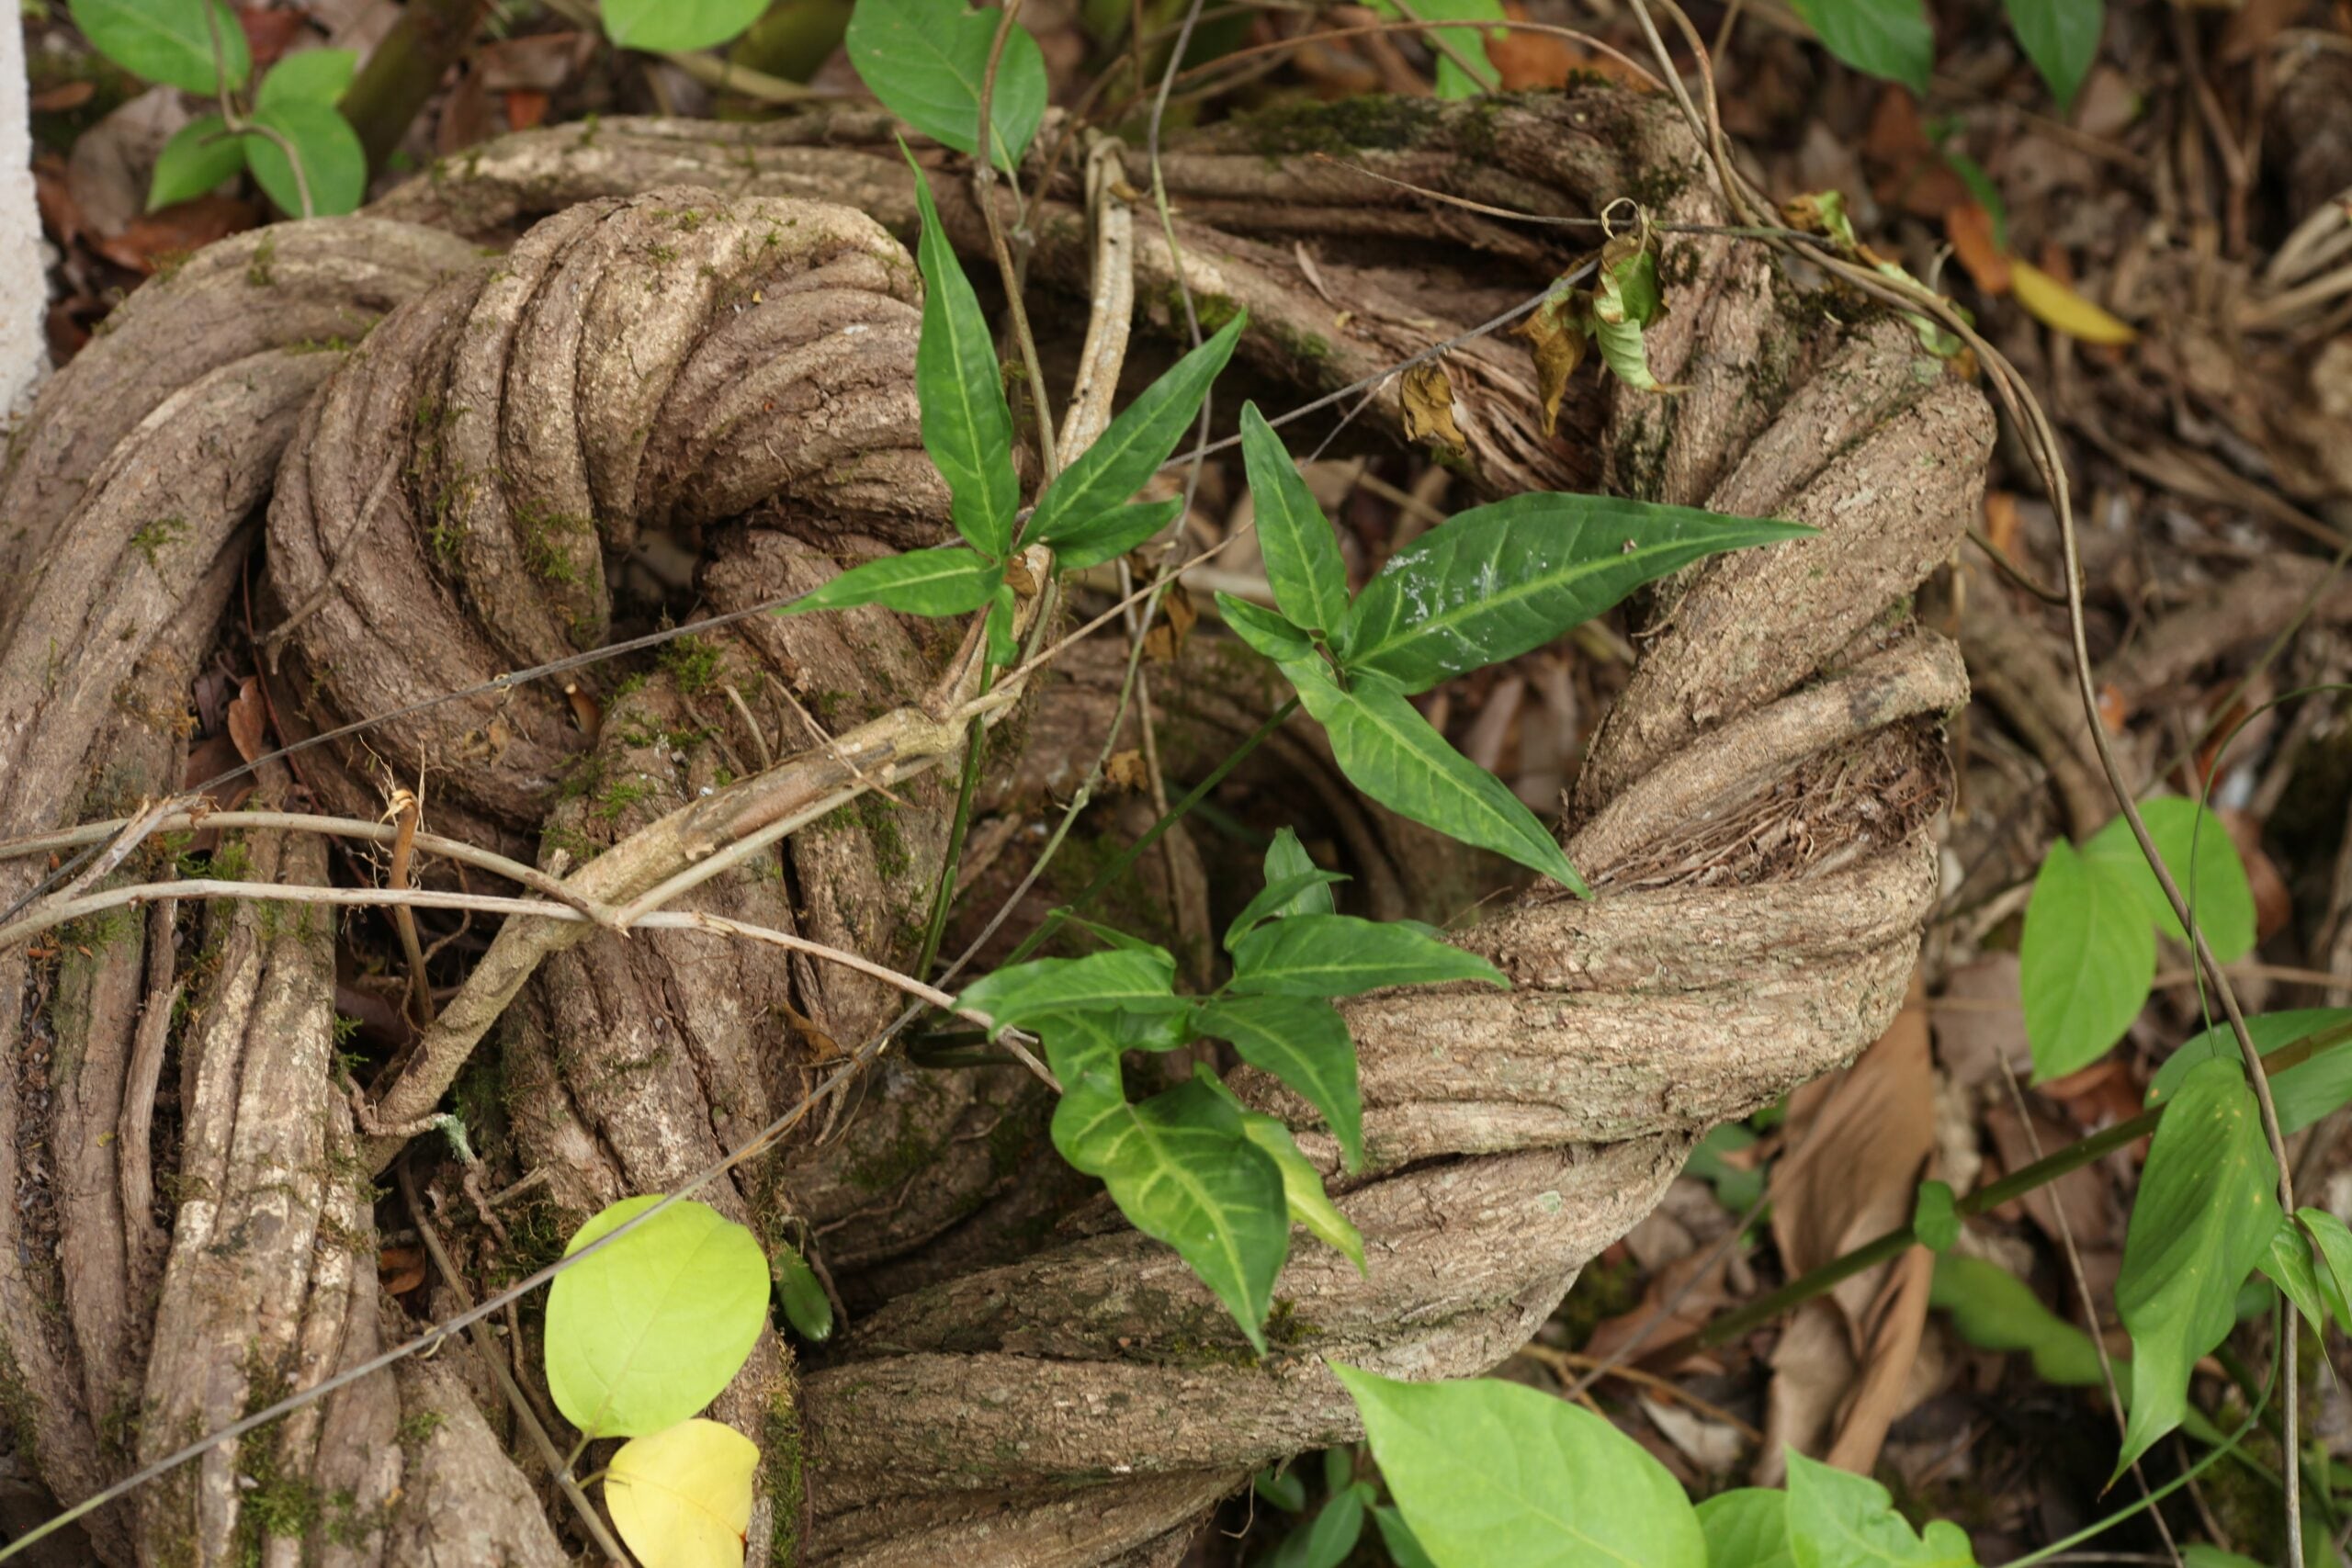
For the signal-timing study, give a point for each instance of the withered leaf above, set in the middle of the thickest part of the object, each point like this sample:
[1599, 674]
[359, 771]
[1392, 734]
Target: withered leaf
[1428, 407]
[1127, 772]
[1165, 639]
[1557, 341]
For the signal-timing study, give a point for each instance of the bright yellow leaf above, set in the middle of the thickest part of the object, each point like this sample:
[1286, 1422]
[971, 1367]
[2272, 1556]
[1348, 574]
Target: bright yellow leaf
[2058, 307]
[682, 1496]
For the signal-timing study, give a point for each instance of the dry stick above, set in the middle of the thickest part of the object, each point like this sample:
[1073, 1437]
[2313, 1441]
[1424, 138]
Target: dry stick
[2043, 443]
[524, 1410]
[407, 812]
[2089, 1305]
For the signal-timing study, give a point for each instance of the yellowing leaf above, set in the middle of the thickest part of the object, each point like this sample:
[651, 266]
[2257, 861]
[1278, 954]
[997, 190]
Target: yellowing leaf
[2059, 308]
[682, 1498]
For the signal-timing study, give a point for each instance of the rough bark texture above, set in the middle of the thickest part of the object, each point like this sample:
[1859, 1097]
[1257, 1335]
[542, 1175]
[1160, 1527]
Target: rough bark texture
[688, 382]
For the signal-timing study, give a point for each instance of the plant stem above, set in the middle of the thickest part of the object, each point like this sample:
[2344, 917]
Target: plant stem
[945, 897]
[405, 70]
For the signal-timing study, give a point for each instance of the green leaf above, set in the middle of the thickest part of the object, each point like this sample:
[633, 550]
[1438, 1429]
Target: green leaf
[1303, 1041]
[805, 1305]
[1284, 1488]
[1302, 1192]
[1404, 1548]
[1281, 895]
[1490, 1473]
[1837, 1520]
[2333, 1277]
[1127, 978]
[168, 40]
[1265, 631]
[1623, 351]
[682, 1498]
[332, 160]
[1325, 1541]
[944, 581]
[1389, 752]
[1885, 38]
[2061, 37]
[1303, 564]
[2288, 1265]
[1452, 81]
[1629, 290]
[1994, 1310]
[2205, 1214]
[966, 426]
[1288, 857]
[199, 155]
[678, 27]
[1933, 1219]
[1109, 535]
[2303, 1093]
[1340, 956]
[2201, 1556]
[314, 76]
[1500, 580]
[1178, 1166]
[647, 1331]
[1738, 1186]
[2085, 961]
[926, 60]
[2214, 882]
[1131, 450]
[1747, 1527]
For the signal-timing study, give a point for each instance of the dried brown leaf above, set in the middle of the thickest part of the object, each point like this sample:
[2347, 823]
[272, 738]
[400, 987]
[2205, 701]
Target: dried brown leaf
[1428, 407]
[1556, 342]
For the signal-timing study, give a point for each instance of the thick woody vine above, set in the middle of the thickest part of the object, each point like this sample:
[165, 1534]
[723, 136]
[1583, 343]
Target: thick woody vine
[497, 514]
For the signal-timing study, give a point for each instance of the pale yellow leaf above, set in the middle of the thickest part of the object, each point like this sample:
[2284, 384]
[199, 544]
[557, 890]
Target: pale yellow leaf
[682, 1498]
[2059, 308]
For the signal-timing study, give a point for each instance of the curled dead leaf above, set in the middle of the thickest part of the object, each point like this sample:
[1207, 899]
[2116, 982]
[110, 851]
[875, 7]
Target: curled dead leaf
[1125, 771]
[1968, 227]
[248, 719]
[1428, 407]
[1165, 639]
[1556, 342]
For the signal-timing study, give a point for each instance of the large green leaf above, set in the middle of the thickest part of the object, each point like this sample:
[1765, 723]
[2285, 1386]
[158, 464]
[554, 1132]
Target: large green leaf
[1304, 1042]
[1284, 894]
[2214, 882]
[1837, 1520]
[1340, 956]
[926, 59]
[2085, 963]
[2304, 1092]
[168, 40]
[199, 155]
[1994, 1310]
[1111, 534]
[2288, 1265]
[1389, 752]
[966, 426]
[1498, 580]
[1491, 1473]
[2332, 1276]
[2061, 37]
[2205, 1214]
[333, 162]
[312, 76]
[1179, 1166]
[944, 581]
[1131, 450]
[1303, 1188]
[1269, 633]
[1453, 81]
[1747, 1527]
[1123, 980]
[647, 1331]
[675, 26]
[1885, 38]
[1286, 857]
[1303, 564]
